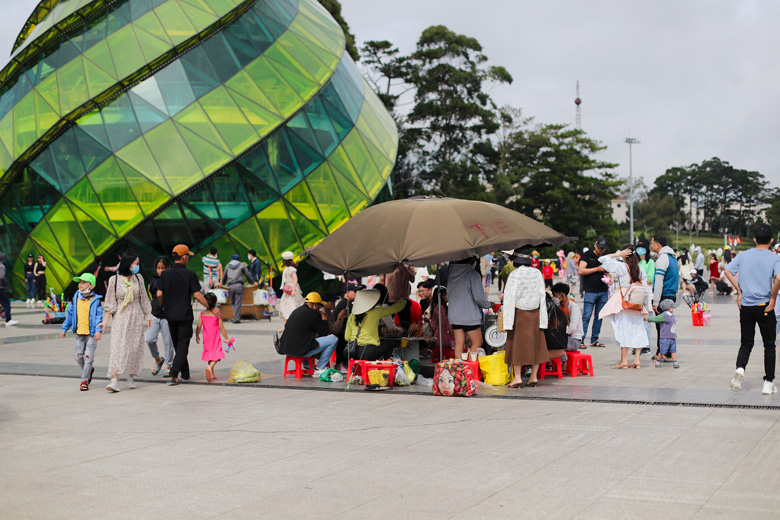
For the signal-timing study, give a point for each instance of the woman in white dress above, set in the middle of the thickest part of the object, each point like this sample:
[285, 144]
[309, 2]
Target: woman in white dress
[629, 325]
[291, 291]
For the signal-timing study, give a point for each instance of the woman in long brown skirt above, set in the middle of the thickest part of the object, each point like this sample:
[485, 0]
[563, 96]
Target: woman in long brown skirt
[525, 294]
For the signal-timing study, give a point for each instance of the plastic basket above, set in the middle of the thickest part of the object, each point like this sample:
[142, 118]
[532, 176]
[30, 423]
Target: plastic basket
[698, 319]
[379, 373]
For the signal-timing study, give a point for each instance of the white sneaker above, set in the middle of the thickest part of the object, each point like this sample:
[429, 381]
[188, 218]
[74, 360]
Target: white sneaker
[736, 381]
[131, 383]
[769, 388]
[317, 372]
[113, 385]
[11, 322]
[27, 303]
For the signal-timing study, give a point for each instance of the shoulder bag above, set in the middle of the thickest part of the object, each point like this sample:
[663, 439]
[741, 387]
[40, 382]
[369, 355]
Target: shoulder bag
[634, 299]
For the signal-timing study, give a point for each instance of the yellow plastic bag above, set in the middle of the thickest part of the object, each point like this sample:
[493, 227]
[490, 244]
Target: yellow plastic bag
[243, 372]
[409, 372]
[494, 369]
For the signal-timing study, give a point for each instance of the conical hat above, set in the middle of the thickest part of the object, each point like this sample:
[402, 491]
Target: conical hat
[365, 300]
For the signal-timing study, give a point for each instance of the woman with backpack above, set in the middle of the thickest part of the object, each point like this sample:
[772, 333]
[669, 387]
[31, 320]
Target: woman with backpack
[627, 306]
[127, 302]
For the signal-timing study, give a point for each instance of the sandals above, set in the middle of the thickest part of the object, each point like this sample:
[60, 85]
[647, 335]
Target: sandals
[158, 367]
[657, 363]
[633, 365]
[209, 375]
[532, 384]
[84, 386]
[516, 385]
[597, 344]
[167, 372]
[675, 364]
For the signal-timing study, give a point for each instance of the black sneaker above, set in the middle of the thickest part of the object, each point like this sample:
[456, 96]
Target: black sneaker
[645, 351]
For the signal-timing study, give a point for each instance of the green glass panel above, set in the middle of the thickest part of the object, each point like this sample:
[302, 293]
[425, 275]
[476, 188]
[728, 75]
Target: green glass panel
[328, 197]
[7, 132]
[277, 229]
[311, 32]
[301, 52]
[149, 91]
[98, 80]
[92, 124]
[65, 153]
[100, 55]
[195, 119]
[202, 228]
[302, 199]
[24, 200]
[176, 24]
[202, 200]
[279, 54]
[231, 198]
[274, 87]
[91, 152]
[328, 30]
[368, 132]
[199, 18]
[307, 157]
[308, 233]
[121, 123]
[248, 234]
[44, 113]
[151, 46]
[339, 117]
[282, 161]
[69, 235]
[243, 84]
[321, 126]
[83, 195]
[383, 163]
[304, 87]
[353, 197]
[364, 166]
[229, 120]
[208, 156]
[147, 116]
[200, 73]
[99, 238]
[24, 124]
[172, 227]
[221, 57]
[148, 195]
[200, 4]
[44, 166]
[151, 24]
[221, 5]
[72, 86]
[128, 57]
[173, 157]
[116, 196]
[138, 155]
[261, 119]
[340, 161]
[299, 125]
[5, 159]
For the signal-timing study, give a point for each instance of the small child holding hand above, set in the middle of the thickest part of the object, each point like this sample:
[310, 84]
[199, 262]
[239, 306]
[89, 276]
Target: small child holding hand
[212, 326]
[668, 333]
[85, 316]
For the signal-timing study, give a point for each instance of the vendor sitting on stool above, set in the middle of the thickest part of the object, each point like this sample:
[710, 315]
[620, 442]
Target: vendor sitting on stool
[306, 333]
[363, 325]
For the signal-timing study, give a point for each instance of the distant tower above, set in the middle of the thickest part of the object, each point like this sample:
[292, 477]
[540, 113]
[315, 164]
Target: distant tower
[578, 102]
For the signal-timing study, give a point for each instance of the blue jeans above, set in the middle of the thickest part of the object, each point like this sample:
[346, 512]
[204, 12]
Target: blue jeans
[325, 347]
[594, 302]
[29, 281]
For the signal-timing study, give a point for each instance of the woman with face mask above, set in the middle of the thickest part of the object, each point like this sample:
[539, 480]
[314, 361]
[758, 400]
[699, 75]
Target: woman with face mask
[127, 302]
[647, 265]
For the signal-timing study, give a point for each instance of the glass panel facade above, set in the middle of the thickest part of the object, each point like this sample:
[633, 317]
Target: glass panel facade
[263, 137]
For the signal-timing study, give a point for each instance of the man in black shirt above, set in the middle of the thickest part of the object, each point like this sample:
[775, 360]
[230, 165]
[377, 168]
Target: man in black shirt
[596, 291]
[425, 291]
[306, 333]
[176, 288]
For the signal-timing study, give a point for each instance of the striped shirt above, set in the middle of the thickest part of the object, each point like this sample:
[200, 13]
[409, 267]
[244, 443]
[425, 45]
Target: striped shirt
[210, 262]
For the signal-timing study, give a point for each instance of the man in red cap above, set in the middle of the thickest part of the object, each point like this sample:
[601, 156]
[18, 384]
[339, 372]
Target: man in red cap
[177, 287]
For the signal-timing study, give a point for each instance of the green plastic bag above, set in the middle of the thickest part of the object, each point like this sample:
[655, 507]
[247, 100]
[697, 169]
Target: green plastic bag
[414, 364]
[243, 372]
[331, 376]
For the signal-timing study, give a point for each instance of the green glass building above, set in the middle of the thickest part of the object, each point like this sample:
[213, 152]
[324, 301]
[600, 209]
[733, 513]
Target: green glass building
[215, 123]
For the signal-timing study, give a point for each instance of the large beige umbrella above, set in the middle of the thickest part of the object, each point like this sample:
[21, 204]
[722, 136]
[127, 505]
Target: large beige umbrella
[425, 231]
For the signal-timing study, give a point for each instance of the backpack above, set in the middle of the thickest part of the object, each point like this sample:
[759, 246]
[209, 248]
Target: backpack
[634, 299]
[454, 377]
[278, 342]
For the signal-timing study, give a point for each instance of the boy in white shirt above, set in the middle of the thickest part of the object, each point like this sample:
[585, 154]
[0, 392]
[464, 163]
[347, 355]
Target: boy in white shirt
[560, 292]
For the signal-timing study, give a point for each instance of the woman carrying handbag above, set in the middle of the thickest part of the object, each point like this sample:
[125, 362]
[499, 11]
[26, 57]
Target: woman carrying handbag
[628, 314]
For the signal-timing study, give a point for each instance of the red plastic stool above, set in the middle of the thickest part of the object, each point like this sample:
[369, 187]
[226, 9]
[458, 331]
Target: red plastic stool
[367, 366]
[572, 361]
[556, 369]
[448, 353]
[299, 371]
[360, 369]
[581, 364]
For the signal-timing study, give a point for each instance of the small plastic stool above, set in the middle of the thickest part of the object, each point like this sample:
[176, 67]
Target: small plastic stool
[556, 369]
[448, 353]
[572, 361]
[299, 371]
[580, 364]
[368, 366]
[360, 369]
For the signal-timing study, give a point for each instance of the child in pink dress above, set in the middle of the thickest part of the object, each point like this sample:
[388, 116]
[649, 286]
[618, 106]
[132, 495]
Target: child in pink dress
[212, 328]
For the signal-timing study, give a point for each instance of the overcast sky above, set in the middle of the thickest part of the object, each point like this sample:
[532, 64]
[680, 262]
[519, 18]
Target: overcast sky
[689, 79]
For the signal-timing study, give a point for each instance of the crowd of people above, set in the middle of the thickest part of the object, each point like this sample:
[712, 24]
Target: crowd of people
[636, 287]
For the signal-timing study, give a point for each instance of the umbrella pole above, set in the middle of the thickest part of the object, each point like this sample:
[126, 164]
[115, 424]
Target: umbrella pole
[441, 350]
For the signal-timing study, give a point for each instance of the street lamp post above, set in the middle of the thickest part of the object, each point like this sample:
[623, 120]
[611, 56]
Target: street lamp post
[631, 142]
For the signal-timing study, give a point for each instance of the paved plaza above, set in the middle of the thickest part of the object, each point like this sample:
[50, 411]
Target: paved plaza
[648, 443]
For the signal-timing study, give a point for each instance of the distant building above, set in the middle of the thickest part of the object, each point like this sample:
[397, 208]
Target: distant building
[620, 210]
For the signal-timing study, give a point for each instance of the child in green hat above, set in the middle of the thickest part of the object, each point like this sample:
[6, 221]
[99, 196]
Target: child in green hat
[85, 316]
